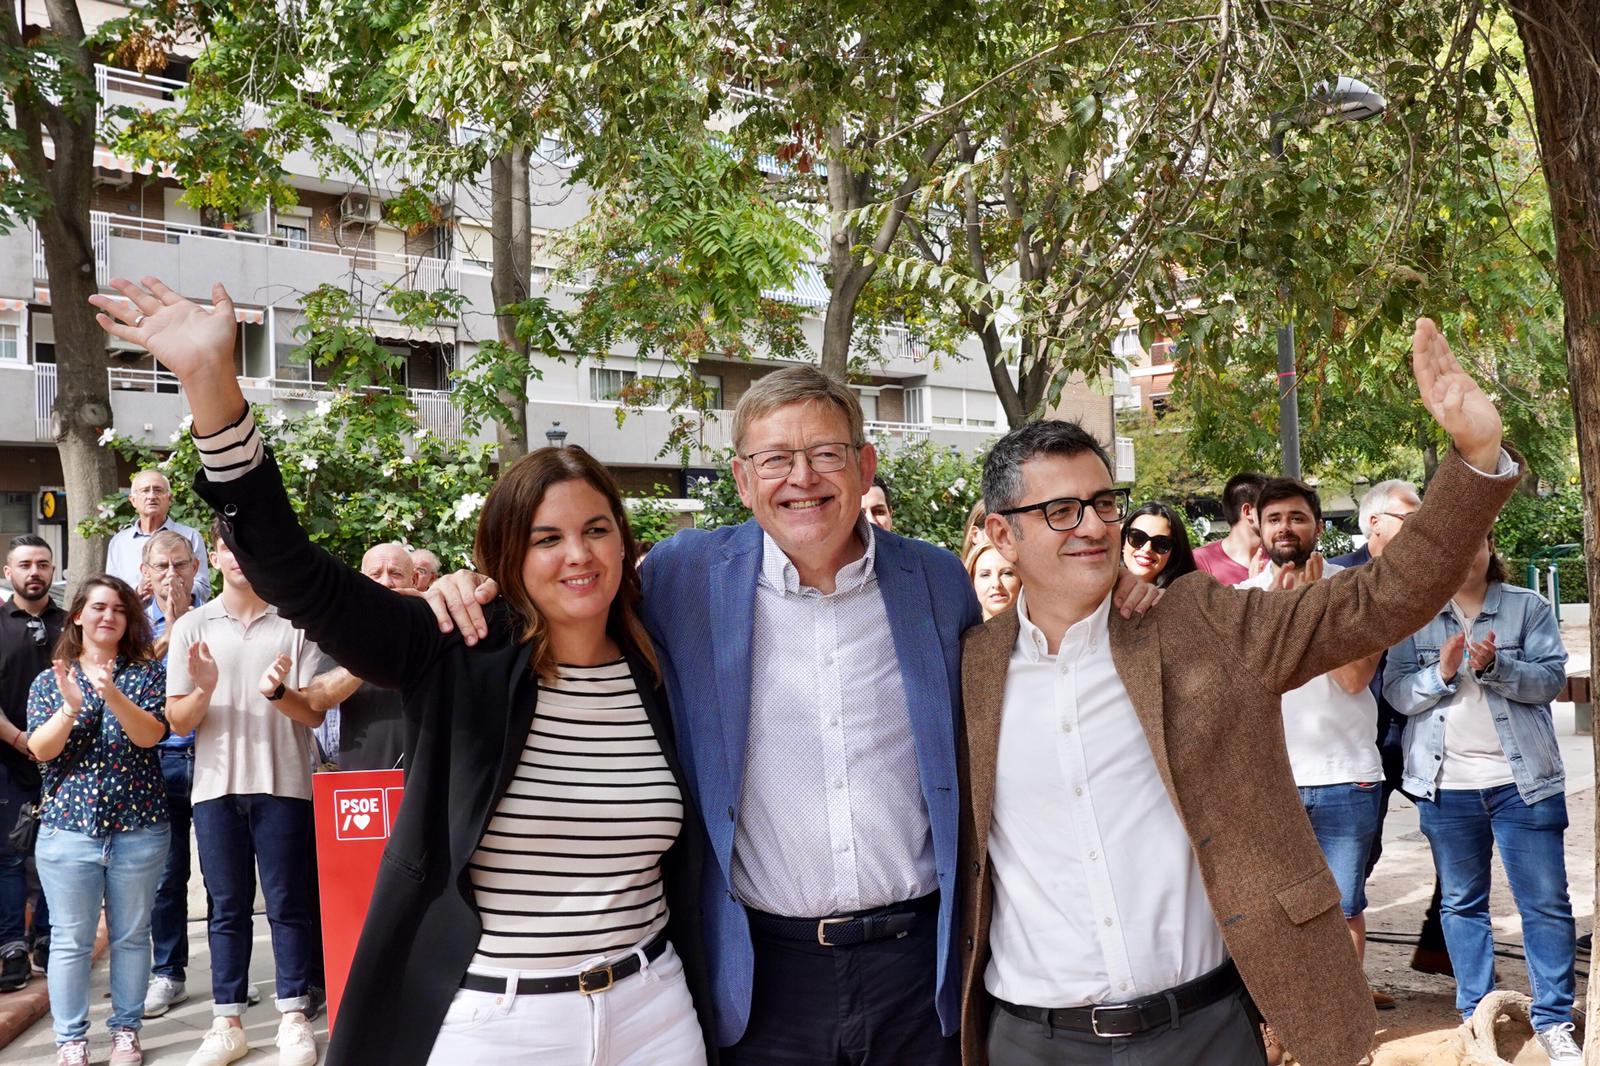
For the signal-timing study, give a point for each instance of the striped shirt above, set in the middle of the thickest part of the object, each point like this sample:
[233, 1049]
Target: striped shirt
[569, 867]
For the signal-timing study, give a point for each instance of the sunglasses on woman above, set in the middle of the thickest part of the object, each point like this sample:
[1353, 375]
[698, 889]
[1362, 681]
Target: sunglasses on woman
[1161, 544]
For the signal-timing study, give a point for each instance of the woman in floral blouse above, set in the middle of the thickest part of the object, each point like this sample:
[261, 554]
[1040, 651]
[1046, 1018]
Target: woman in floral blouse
[95, 718]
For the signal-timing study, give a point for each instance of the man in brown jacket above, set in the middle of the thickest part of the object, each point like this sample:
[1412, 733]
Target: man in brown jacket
[1134, 853]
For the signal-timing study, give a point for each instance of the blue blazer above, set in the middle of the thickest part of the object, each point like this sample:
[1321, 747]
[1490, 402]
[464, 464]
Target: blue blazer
[699, 605]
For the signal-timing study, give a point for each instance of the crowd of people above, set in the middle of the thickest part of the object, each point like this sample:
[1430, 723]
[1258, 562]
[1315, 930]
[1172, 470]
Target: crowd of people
[799, 790]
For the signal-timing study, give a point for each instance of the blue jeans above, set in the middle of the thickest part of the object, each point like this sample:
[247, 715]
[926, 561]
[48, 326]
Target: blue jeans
[239, 835]
[13, 873]
[1464, 826]
[81, 874]
[1345, 818]
[169, 921]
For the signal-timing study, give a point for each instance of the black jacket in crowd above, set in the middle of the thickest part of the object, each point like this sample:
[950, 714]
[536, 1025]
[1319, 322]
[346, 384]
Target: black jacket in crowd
[468, 712]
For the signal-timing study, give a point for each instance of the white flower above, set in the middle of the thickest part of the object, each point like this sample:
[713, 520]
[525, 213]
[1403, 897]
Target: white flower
[702, 480]
[408, 524]
[185, 423]
[107, 435]
[277, 418]
[468, 505]
[957, 485]
[388, 470]
[165, 464]
[324, 405]
[107, 511]
[933, 505]
[422, 432]
[177, 435]
[406, 460]
[308, 462]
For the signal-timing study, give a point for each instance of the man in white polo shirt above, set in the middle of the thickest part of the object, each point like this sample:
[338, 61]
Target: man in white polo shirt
[1329, 723]
[235, 673]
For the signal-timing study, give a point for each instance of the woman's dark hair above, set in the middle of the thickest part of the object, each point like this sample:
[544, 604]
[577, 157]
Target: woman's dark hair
[1496, 570]
[1181, 559]
[135, 645]
[501, 544]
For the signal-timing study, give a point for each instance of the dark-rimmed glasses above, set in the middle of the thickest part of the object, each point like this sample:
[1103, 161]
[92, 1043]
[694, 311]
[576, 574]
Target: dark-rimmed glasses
[1161, 544]
[1064, 514]
[773, 463]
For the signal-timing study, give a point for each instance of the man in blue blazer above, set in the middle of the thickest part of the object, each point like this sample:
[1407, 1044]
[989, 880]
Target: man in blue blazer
[812, 665]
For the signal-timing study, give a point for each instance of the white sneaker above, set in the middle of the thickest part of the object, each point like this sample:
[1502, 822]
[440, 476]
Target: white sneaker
[223, 1044]
[297, 1045]
[165, 993]
[1559, 1046]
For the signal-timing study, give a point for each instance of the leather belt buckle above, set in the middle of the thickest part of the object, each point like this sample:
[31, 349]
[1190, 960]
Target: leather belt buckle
[822, 929]
[1095, 1023]
[589, 980]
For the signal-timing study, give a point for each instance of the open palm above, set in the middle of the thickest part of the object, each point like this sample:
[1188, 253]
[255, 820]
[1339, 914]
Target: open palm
[1453, 398]
[186, 338]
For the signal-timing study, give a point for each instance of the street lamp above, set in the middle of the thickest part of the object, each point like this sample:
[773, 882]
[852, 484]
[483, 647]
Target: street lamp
[1346, 100]
[556, 435]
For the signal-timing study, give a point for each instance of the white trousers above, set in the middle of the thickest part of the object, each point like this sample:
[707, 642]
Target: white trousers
[647, 1019]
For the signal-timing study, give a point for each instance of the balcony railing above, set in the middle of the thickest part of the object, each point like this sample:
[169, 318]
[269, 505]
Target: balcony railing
[419, 272]
[99, 240]
[44, 401]
[1126, 471]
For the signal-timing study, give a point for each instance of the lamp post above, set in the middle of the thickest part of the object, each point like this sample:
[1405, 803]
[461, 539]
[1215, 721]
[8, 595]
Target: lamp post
[1346, 100]
[556, 435]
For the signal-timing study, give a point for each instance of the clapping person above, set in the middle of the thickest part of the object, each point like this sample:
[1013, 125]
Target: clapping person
[546, 846]
[1155, 545]
[1482, 763]
[96, 718]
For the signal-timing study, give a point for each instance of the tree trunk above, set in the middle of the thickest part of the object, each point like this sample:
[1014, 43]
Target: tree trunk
[512, 238]
[1561, 41]
[846, 277]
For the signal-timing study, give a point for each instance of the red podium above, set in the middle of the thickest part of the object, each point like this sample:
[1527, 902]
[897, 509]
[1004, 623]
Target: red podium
[355, 812]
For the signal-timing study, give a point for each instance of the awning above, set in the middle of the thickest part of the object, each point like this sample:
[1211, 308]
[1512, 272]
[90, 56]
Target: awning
[12, 305]
[253, 315]
[399, 331]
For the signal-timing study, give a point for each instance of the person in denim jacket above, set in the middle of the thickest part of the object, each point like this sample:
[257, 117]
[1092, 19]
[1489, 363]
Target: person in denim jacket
[1482, 764]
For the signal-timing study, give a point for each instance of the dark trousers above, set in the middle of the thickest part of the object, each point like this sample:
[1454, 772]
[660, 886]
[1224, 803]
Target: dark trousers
[13, 870]
[239, 835]
[169, 920]
[1224, 1033]
[865, 1005]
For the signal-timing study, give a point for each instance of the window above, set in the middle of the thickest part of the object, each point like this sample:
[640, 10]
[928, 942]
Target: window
[10, 349]
[713, 384]
[869, 407]
[605, 386]
[294, 236]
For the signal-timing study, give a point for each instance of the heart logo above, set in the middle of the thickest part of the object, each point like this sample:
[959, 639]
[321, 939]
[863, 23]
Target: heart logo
[361, 820]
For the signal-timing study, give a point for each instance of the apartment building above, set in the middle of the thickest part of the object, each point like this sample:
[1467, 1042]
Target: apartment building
[335, 234]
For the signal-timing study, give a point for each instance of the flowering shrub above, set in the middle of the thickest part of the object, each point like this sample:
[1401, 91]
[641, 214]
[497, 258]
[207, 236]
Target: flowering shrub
[358, 469]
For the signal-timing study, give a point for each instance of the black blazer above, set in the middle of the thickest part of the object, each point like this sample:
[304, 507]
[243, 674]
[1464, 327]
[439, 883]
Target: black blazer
[468, 712]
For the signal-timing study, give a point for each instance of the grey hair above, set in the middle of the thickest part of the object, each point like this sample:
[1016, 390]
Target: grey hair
[1002, 468]
[165, 539]
[795, 385]
[1378, 496]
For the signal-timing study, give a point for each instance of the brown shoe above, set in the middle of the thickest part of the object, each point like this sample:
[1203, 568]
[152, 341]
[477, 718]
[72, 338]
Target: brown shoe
[1382, 1000]
[1432, 960]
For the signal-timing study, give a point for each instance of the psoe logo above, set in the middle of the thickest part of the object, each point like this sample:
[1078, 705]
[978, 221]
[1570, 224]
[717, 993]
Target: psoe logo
[359, 814]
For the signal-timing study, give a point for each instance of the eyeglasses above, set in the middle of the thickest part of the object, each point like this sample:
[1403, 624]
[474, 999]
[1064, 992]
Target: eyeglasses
[35, 629]
[1065, 513]
[1397, 516]
[778, 462]
[1161, 544]
[162, 568]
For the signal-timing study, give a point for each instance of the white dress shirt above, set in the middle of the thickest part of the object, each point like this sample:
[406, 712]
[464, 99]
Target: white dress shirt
[832, 818]
[1097, 894]
[1332, 735]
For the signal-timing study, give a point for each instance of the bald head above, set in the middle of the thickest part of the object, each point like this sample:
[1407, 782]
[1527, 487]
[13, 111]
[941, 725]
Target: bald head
[427, 567]
[389, 565]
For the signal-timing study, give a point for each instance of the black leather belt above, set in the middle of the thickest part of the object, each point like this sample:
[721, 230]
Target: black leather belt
[588, 982]
[847, 930]
[1141, 1015]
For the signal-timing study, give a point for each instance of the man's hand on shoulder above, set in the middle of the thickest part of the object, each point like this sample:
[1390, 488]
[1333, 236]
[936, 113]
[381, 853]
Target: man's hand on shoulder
[1454, 399]
[457, 600]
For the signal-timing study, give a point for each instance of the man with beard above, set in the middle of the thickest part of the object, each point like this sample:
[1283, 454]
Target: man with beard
[1328, 721]
[29, 627]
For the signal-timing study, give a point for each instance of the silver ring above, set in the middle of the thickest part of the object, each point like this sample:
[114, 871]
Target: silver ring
[138, 321]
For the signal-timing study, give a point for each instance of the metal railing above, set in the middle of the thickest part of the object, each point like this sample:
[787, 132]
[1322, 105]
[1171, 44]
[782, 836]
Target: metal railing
[899, 432]
[99, 240]
[420, 272]
[44, 400]
[1126, 470]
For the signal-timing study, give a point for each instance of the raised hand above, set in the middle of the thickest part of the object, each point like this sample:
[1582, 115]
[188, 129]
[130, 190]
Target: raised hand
[1450, 655]
[1288, 577]
[274, 675]
[1454, 399]
[67, 685]
[202, 667]
[1313, 570]
[1483, 653]
[185, 337]
[1258, 561]
[101, 677]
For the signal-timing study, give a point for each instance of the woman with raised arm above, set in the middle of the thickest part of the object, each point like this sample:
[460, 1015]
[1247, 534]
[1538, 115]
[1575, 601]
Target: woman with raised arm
[537, 900]
[95, 719]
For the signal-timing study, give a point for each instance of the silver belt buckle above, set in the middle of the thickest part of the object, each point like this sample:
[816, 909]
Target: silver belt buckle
[822, 929]
[1094, 1020]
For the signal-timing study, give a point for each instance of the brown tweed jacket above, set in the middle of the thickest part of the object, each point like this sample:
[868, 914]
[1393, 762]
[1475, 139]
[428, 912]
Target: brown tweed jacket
[1205, 670]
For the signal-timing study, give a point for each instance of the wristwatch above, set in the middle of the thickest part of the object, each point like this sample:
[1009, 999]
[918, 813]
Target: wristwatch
[277, 693]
